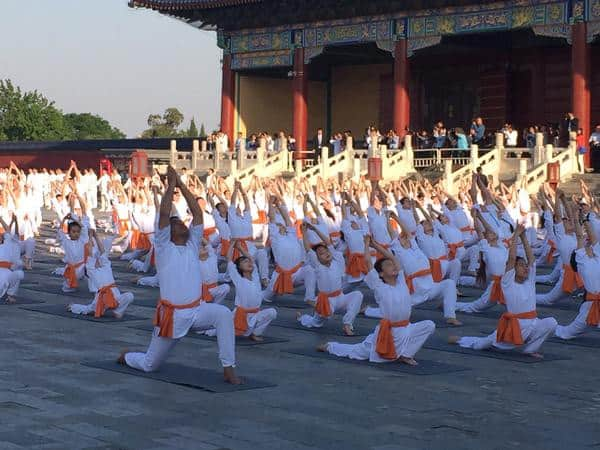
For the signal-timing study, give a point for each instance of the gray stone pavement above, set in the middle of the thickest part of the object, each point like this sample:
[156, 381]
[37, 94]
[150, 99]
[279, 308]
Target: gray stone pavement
[48, 400]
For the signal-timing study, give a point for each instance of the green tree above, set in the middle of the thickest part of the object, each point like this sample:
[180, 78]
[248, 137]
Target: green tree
[90, 126]
[26, 116]
[202, 131]
[193, 130]
[164, 126]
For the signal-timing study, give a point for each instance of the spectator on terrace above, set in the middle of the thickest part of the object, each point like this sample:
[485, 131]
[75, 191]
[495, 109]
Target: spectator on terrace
[477, 131]
[393, 140]
[439, 135]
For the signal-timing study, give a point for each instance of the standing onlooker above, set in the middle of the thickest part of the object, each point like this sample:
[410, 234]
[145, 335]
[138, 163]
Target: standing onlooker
[439, 135]
[510, 135]
[581, 143]
[477, 131]
[318, 142]
[569, 124]
[529, 137]
[336, 143]
[595, 149]
[393, 140]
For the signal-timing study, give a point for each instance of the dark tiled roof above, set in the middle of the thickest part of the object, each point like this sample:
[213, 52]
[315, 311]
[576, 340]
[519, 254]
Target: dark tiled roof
[179, 5]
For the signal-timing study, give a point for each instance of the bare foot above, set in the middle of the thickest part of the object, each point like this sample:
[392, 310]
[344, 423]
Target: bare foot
[298, 315]
[459, 293]
[454, 322]
[322, 347]
[348, 330]
[11, 299]
[69, 306]
[117, 315]
[230, 377]
[363, 308]
[453, 339]
[121, 358]
[255, 338]
[264, 283]
[536, 355]
[408, 361]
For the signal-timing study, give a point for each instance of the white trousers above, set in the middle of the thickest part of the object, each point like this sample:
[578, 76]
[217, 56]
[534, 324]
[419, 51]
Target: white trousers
[479, 305]
[533, 331]
[219, 293]
[79, 273]
[407, 340]
[304, 275]
[10, 281]
[578, 326]
[445, 291]
[553, 276]
[149, 281]
[258, 322]
[124, 299]
[208, 316]
[27, 247]
[349, 303]
[555, 294]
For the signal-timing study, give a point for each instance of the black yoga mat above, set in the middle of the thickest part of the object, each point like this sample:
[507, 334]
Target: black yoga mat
[20, 301]
[61, 310]
[331, 327]
[193, 377]
[425, 367]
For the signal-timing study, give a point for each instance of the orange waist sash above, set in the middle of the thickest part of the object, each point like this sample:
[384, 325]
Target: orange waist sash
[409, 278]
[164, 315]
[497, 294]
[323, 308]
[509, 329]
[206, 295]
[593, 317]
[105, 300]
[385, 338]
[240, 319]
[356, 265]
[284, 283]
[571, 279]
[453, 248]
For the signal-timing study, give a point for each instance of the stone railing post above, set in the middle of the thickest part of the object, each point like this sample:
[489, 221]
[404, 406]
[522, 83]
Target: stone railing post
[298, 168]
[448, 175]
[549, 153]
[356, 168]
[474, 156]
[409, 153]
[217, 155]
[173, 153]
[499, 141]
[241, 155]
[195, 154]
[522, 168]
[538, 150]
[383, 154]
[260, 152]
[203, 146]
[233, 169]
[324, 163]
[349, 155]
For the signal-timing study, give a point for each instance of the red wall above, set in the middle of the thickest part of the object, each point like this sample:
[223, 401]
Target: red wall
[51, 159]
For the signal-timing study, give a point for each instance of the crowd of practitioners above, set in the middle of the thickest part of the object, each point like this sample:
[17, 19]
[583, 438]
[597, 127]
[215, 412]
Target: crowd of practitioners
[408, 242]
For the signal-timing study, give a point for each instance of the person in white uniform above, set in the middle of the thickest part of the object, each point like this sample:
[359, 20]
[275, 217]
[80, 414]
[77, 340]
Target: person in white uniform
[180, 308]
[395, 338]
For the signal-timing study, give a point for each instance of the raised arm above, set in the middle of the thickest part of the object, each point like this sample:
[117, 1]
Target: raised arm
[197, 215]
[167, 200]
[512, 252]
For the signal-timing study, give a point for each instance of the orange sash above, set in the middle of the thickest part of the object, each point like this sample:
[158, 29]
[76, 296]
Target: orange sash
[550, 255]
[5, 265]
[323, 308]
[571, 279]
[71, 270]
[243, 242]
[509, 329]
[436, 268]
[240, 319]
[385, 338]
[224, 246]
[409, 278]
[284, 283]
[453, 248]
[140, 241]
[206, 295]
[163, 317]
[497, 294]
[356, 264]
[298, 225]
[105, 300]
[261, 219]
[124, 226]
[593, 317]
[208, 232]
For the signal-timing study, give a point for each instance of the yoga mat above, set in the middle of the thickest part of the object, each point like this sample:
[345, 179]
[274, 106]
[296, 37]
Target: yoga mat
[492, 313]
[61, 310]
[56, 289]
[287, 301]
[331, 327]
[418, 315]
[435, 343]
[239, 341]
[581, 341]
[193, 377]
[20, 301]
[425, 367]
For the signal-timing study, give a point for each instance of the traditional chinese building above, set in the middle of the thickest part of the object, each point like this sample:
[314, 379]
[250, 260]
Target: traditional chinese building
[298, 65]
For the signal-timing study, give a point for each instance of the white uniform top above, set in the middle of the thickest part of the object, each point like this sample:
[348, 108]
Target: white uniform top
[329, 278]
[589, 268]
[431, 244]
[10, 250]
[457, 217]
[287, 249]
[248, 293]
[222, 225]
[378, 226]
[495, 257]
[407, 217]
[99, 276]
[74, 250]
[178, 268]
[448, 232]
[394, 301]
[313, 237]
[355, 239]
[414, 260]
[565, 243]
[240, 226]
[520, 297]
[209, 268]
[549, 226]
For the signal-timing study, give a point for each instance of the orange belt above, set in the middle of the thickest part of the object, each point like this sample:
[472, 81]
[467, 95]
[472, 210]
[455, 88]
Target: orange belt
[497, 294]
[453, 248]
[5, 265]
[356, 264]
[385, 338]
[140, 241]
[436, 268]
[323, 308]
[571, 279]
[593, 317]
[165, 310]
[225, 246]
[550, 255]
[509, 329]
[261, 219]
[206, 295]
[105, 300]
[240, 319]
[284, 283]
[208, 232]
[243, 242]
[409, 278]
[298, 225]
[467, 229]
[124, 226]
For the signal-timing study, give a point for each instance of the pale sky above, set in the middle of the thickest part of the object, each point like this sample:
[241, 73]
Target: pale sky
[101, 56]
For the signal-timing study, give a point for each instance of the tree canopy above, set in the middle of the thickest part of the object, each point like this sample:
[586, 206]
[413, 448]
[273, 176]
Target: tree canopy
[166, 125]
[90, 126]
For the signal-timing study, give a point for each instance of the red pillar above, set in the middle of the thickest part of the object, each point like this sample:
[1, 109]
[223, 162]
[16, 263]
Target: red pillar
[300, 97]
[580, 77]
[227, 100]
[401, 81]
